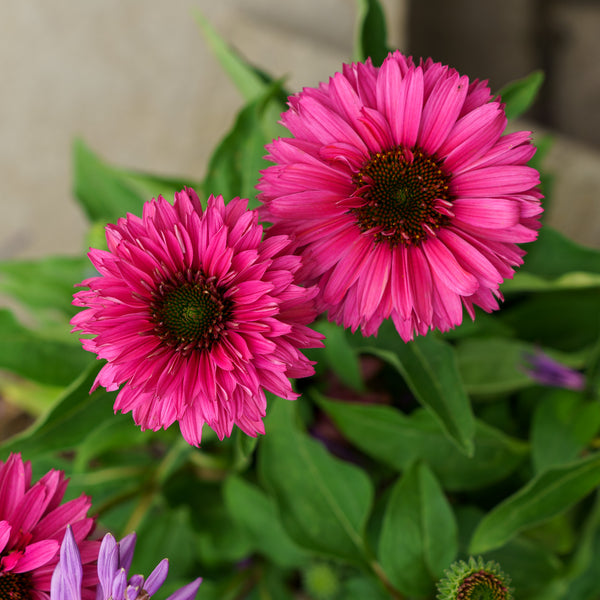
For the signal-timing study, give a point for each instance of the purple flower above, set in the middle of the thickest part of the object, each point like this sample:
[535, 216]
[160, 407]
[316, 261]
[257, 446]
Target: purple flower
[114, 561]
[547, 371]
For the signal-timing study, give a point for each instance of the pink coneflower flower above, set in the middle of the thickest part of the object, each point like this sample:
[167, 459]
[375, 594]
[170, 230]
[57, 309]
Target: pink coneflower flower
[196, 316]
[32, 524]
[401, 194]
[114, 561]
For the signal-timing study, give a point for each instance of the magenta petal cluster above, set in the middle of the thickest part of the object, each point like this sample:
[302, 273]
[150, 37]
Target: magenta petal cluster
[402, 194]
[114, 583]
[32, 525]
[197, 316]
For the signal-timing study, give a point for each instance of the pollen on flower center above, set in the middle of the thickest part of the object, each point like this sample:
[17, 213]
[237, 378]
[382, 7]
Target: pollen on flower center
[189, 314]
[406, 196]
[15, 586]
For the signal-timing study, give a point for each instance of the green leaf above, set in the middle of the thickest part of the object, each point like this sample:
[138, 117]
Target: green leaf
[323, 502]
[68, 422]
[38, 358]
[340, 355]
[519, 95]
[419, 535]
[233, 169]
[255, 511]
[429, 367]
[165, 533]
[492, 365]
[388, 435]
[250, 82]
[371, 38]
[548, 494]
[564, 423]
[107, 193]
[45, 286]
[552, 256]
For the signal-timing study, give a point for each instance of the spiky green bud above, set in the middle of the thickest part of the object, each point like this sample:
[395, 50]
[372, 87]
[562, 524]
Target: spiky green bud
[475, 580]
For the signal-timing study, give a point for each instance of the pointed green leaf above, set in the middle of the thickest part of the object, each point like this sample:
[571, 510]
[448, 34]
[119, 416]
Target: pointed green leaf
[371, 39]
[35, 357]
[388, 435]
[548, 494]
[519, 95]
[107, 193]
[323, 502]
[45, 286]
[419, 535]
[68, 422]
[255, 511]
[563, 425]
[234, 167]
[250, 82]
[429, 367]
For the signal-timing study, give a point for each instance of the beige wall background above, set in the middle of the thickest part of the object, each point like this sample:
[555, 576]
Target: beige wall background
[136, 81]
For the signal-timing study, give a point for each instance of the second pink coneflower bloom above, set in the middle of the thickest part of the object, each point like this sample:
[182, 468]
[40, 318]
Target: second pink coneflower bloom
[401, 194]
[196, 316]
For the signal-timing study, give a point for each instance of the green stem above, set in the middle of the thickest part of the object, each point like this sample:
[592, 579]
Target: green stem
[380, 574]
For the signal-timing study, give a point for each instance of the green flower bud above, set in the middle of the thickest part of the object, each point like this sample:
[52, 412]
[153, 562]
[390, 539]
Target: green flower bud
[474, 580]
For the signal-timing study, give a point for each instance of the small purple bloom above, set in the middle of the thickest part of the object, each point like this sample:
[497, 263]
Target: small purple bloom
[114, 561]
[547, 371]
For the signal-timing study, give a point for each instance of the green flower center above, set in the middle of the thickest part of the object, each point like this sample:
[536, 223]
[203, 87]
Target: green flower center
[402, 190]
[190, 315]
[482, 586]
[15, 586]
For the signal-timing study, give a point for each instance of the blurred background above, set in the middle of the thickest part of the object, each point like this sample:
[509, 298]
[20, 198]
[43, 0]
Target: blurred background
[136, 81]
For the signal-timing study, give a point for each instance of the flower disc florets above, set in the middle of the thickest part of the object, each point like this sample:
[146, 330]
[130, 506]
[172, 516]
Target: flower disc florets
[475, 580]
[197, 316]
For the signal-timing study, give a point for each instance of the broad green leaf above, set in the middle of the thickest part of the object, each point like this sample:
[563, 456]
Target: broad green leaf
[530, 566]
[250, 81]
[220, 539]
[583, 580]
[497, 365]
[340, 355]
[428, 365]
[255, 511]
[45, 286]
[492, 365]
[68, 422]
[165, 533]
[233, 169]
[323, 502]
[107, 193]
[552, 256]
[388, 435]
[548, 494]
[568, 321]
[371, 38]
[519, 95]
[564, 423]
[528, 282]
[361, 588]
[419, 535]
[38, 358]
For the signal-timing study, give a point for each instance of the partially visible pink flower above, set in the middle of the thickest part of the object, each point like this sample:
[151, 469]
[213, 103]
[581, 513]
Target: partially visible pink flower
[32, 525]
[196, 316]
[401, 194]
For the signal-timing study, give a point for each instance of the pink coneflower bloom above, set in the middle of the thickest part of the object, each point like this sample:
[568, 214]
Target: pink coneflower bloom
[196, 316]
[401, 194]
[32, 525]
[114, 583]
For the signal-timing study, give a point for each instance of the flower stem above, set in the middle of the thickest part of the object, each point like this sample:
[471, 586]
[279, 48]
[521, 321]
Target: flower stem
[380, 574]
